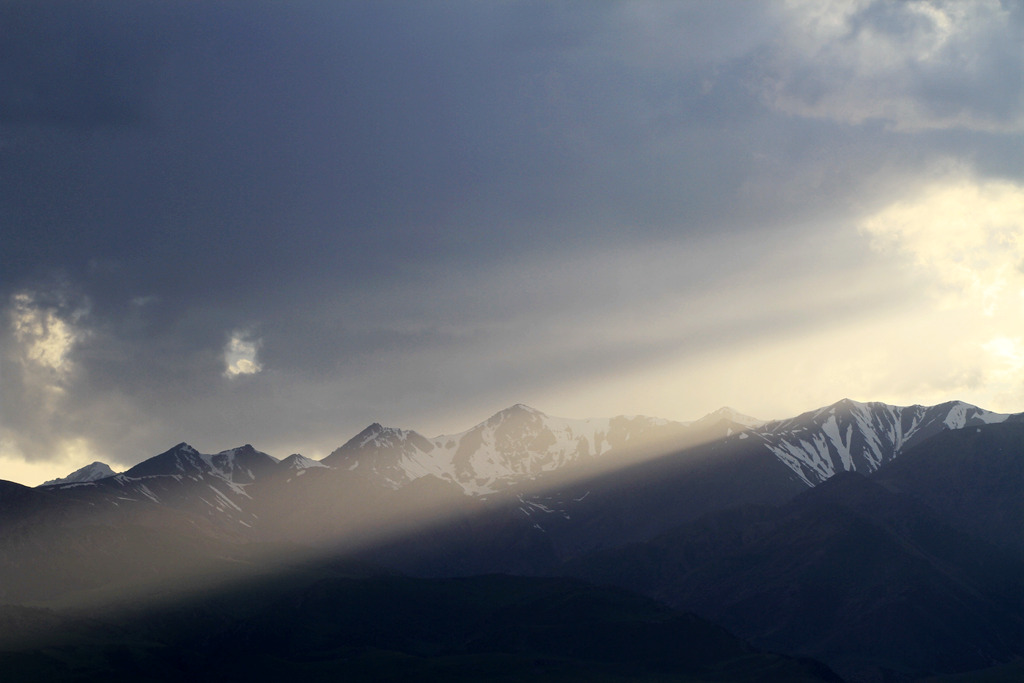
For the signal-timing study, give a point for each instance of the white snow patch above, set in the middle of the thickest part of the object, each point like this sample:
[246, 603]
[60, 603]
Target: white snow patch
[224, 498]
[957, 417]
[831, 429]
[144, 490]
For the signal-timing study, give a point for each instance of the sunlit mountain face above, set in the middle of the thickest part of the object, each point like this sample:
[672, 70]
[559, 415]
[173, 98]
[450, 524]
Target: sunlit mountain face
[778, 530]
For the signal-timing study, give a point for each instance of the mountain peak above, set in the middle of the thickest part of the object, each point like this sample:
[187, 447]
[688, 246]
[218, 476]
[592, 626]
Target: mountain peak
[298, 462]
[850, 404]
[521, 408]
[727, 413]
[517, 411]
[379, 436]
[91, 472]
[374, 432]
[247, 449]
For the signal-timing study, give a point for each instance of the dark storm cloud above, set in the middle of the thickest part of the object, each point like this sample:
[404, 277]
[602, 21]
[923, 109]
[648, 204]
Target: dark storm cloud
[359, 142]
[73, 64]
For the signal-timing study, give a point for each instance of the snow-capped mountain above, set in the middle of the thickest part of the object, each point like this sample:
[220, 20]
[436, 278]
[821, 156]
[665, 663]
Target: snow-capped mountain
[520, 443]
[394, 456]
[237, 465]
[527, 454]
[182, 478]
[860, 437]
[515, 444]
[91, 472]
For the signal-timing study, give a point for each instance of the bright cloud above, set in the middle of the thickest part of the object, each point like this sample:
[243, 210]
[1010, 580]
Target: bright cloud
[967, 235]
[40, 371]
[965, 239]
[240, 355]
[45, 338]
[1007, 357]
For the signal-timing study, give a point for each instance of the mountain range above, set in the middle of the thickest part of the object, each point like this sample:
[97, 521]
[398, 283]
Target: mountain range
[883, 540]
[520, 444]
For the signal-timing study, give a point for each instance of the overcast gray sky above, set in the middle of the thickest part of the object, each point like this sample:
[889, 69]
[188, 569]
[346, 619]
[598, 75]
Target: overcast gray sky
[276, 223]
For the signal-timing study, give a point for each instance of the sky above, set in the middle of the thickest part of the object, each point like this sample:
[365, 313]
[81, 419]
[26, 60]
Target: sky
[275, 223]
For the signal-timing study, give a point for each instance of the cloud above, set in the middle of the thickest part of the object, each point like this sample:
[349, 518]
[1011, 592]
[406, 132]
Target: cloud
[916, 65]
[966, 234]
[964, 239]
[43, 330]
[45, 338]
[240, 355]
[1007, 357]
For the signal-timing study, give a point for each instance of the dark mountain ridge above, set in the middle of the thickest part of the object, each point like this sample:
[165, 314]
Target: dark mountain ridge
[861, 572]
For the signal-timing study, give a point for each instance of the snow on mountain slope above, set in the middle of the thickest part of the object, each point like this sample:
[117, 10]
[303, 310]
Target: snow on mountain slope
[91, 472]
[852, 436]
[520, 443]
[514, 444]
[213, 485]
[393, 456]
[240, 465]
[237, 465]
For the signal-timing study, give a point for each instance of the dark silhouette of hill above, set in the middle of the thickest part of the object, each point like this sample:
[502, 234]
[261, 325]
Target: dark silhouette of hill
[878, 577]
[318, 625]
[973, 479]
